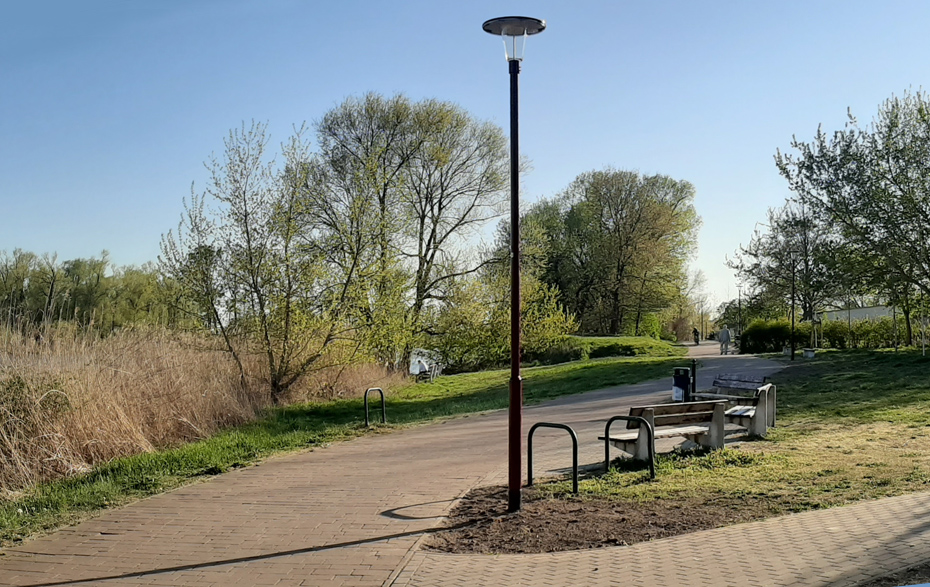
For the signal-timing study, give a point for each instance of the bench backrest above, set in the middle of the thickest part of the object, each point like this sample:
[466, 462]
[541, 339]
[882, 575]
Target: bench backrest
[740, 378]
[739, 382]
[677, 413]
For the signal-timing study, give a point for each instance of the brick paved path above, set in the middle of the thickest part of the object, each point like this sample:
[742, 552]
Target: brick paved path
[352, 513]
[836, 547]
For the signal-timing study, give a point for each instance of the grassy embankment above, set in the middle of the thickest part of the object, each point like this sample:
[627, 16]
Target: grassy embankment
[852, 426]
[53, 504]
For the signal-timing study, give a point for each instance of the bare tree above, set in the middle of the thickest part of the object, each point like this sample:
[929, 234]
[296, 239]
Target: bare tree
[254, 263]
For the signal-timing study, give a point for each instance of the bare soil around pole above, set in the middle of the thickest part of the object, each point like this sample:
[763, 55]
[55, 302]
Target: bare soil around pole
[480, 524]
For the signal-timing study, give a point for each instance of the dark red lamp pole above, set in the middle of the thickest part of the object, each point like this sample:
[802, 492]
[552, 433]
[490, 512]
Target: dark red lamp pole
[514, 30]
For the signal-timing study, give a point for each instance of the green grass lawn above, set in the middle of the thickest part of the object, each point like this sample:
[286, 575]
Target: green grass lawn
[51, 505]
[626, 346]
[852, 425]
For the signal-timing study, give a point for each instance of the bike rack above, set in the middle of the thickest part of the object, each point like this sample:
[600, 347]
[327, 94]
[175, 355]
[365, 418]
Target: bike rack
[650, 433]
[383, 411]
[529, 452]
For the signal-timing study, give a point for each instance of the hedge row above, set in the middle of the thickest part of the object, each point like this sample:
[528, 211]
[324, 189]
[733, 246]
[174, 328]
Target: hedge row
[771, 336]
[575, 348]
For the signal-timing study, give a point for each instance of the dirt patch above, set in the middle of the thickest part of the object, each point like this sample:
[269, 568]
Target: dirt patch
[915, 576]
[480, 523]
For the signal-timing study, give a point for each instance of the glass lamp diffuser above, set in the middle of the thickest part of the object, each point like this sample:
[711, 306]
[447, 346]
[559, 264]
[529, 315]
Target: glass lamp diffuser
[514, 30]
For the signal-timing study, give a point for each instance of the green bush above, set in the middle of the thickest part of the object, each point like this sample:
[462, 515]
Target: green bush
[764, 336]
[569, 348]
[575, 348]
[836, 335]
[627, 346]
[611, 349]
[771, 336]
[867, 334]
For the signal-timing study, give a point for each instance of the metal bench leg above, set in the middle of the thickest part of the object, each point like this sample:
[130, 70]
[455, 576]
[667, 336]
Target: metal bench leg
[643, 451]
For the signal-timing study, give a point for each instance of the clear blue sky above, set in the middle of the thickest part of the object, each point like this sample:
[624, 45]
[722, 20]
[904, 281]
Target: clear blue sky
[109, 108]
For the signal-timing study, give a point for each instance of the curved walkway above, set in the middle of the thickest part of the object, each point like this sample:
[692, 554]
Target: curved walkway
[353, 513]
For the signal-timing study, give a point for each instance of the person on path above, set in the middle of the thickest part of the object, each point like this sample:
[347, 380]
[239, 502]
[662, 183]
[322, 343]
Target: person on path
[697, 336]
[723, 337]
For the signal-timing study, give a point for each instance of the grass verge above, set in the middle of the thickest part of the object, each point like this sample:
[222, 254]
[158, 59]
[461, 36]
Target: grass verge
[626, 346]
[52, 505]
[852, 426]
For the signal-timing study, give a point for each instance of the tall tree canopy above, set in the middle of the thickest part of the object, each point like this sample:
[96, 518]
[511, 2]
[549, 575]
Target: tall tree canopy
[399, 187]
[795, 250]
[615, 244]
[356, 241]
[872, 184]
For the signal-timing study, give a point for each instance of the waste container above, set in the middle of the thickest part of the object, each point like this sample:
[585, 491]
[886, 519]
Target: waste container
[681, 384]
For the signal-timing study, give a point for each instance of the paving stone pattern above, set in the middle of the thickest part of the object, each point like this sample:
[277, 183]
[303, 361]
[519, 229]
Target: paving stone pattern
[353, 513]
[836, 547]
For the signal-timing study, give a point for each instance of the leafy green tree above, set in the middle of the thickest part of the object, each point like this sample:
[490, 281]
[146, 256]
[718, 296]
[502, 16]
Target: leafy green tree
[257, 264]
[871, 184]
[472, 330]
[796, 250]
[614, 244]
[398, 187]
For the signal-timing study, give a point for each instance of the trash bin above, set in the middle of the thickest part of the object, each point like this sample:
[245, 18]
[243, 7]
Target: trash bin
[681, 384]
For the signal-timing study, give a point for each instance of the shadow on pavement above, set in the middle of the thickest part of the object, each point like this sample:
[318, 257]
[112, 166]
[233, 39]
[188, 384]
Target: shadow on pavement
[248, 559]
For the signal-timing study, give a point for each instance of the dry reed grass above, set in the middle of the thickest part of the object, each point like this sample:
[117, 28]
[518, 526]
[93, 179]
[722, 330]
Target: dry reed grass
[72, 400]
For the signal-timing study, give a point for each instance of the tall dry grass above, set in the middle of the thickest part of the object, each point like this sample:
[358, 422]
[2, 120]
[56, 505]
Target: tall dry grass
[72, 400]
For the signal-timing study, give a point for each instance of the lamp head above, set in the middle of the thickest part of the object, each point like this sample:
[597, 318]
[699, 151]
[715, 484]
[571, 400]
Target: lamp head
[514, 30]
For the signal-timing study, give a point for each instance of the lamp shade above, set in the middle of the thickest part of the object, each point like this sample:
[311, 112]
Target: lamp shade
[514, 30]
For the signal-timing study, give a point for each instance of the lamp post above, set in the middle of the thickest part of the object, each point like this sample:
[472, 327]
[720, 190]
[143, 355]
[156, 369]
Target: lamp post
[514, 30]
[703, 326]
[739, 310]
[794, 266]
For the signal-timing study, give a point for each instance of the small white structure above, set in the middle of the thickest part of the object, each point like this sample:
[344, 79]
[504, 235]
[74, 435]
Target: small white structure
[853, 314]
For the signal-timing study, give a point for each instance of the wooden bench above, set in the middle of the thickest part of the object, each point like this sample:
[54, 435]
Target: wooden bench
[702, 422]
[753, 401]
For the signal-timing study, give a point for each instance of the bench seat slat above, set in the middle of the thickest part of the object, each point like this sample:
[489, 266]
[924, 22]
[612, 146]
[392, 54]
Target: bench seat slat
[719, 396]
[627, 437]
[747, 411]
[660, 433]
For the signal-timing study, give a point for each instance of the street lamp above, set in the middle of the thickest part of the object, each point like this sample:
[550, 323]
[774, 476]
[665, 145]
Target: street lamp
[514, 30]
[794, 265]
[739, 310]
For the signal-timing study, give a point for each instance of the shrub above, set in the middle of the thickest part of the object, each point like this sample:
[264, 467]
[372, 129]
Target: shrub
[627, 346]
[569, 348]
[836, 334]
[771, 336]
[765, 336]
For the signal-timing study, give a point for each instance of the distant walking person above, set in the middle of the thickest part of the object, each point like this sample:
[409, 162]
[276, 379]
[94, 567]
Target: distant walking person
[723, 337]
[697, 336]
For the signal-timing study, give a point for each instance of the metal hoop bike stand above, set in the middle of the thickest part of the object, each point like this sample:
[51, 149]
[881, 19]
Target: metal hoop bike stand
[529, 452]
[383, 411]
